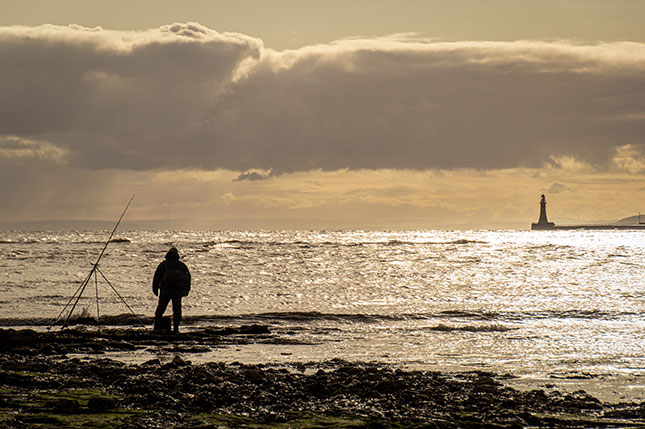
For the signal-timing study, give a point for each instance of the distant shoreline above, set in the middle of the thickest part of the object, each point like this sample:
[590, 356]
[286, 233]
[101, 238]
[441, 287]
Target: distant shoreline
[587, 227]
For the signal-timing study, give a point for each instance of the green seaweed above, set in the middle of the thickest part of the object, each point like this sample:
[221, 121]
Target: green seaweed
[82, 420]
[326, 422]
[226, 420]
[294, 420]
[80, 395]
[33, 374]
[571, 419]
[34, 410]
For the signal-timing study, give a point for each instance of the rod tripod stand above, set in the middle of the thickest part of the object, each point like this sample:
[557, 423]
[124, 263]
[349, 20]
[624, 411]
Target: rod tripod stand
[94, 272]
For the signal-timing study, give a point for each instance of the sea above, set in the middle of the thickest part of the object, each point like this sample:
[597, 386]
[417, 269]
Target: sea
[526, 303]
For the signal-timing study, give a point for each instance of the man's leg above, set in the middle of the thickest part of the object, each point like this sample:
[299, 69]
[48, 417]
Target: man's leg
[161, 308]
[176, 312]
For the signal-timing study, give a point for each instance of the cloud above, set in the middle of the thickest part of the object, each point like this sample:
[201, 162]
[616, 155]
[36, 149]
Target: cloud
[630, 158]
[570, 163]
[253, 176]
[186, 96]
[228, 198]
[556, 188]
[16, 148]
[117, 99]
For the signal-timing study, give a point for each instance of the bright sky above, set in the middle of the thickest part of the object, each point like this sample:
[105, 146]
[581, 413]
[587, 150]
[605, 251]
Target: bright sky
[334, 114]
[288, 24]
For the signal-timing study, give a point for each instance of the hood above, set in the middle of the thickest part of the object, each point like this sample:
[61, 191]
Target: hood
[172, 253]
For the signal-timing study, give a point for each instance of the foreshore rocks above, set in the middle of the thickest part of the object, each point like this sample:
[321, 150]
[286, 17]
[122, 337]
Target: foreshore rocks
[57, 342]
[178, 393]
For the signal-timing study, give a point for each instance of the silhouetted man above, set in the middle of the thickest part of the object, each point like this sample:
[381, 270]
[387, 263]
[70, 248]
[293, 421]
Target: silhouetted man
[171, 282]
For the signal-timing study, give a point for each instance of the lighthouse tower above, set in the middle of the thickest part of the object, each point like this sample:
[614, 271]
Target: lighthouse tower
[543, 222]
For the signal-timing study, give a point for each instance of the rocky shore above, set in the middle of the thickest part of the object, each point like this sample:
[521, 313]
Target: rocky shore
[41, 386]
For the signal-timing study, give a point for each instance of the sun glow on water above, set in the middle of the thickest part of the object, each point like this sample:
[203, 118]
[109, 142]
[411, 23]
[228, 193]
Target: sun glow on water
[509, 301]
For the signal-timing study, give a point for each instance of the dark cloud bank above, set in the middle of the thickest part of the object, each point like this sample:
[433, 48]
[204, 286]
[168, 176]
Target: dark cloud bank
[185, 96]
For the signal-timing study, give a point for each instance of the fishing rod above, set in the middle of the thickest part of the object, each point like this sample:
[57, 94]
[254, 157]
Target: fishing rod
[114, 230]
[79, 292]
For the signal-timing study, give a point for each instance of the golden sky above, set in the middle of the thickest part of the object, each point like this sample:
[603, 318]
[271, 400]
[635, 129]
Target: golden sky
[286, 114]
[288, 24]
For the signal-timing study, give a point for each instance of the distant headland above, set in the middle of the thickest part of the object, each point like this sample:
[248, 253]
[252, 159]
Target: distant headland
[544, 224]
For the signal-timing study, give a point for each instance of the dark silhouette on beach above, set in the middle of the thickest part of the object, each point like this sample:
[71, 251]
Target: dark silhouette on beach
[171, 282]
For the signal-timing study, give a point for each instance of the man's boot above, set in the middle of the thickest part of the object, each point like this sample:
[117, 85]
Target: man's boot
[175, 327]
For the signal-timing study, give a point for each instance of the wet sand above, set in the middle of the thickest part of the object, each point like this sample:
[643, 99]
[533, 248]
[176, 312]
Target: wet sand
[44, 382]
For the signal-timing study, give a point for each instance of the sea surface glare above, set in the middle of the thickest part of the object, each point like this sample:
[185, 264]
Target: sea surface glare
[520, 302]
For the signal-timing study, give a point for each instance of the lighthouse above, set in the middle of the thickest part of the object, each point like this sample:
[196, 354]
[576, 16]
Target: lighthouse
[543, 222]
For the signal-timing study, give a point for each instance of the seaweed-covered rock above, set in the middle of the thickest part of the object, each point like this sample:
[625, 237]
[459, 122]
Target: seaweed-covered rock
[254, 330]
[390, 386]
[177, 362]
[101, 403]
[63, 405]
[254, 375]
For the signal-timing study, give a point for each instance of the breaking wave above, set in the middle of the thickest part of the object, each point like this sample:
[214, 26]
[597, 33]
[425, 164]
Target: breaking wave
[298, 243]
[45, 241]
[496, 320]
[470, 328]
